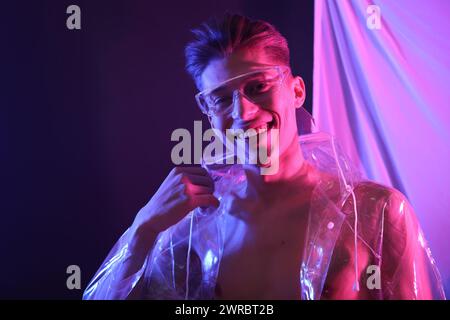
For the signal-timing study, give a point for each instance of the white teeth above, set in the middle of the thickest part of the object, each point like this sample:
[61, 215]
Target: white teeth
[262, 129]
[251, 132]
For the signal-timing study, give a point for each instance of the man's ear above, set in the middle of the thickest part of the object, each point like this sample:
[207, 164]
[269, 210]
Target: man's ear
[300, 92]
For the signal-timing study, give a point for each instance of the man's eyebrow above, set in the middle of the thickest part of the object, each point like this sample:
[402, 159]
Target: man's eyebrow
[255, 75]
[219, 89]
[225, 86]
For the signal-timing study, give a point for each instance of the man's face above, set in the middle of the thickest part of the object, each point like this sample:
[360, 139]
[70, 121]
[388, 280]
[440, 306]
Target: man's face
[278, 112]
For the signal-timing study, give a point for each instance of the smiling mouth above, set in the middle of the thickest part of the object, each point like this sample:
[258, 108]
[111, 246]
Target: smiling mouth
[251, 132]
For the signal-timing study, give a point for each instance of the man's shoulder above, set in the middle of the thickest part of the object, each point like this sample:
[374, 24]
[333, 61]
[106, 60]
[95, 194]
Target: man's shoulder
[379, 205]
[381, 201]
[371, 190]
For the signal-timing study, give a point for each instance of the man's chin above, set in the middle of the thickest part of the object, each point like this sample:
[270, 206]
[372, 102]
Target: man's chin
[266, 147]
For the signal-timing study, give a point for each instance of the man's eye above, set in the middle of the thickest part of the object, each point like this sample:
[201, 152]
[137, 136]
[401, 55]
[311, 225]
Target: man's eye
[219, 101]
[258, 87]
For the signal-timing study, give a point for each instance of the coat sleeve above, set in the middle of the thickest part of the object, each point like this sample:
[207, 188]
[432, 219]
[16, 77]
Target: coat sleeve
[105, 285]
[409, 271]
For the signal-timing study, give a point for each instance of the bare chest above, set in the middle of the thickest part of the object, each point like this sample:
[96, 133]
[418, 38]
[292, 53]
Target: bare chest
[262, 258]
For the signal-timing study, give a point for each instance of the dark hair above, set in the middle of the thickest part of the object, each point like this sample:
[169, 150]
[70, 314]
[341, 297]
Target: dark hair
[218, 38]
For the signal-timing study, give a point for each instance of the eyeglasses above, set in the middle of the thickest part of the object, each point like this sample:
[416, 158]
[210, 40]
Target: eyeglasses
[257, 86]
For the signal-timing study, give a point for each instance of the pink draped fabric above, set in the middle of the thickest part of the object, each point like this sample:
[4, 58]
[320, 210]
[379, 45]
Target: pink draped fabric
[384, 93]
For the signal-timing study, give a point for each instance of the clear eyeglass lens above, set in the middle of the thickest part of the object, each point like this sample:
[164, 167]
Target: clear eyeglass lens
[257, 87]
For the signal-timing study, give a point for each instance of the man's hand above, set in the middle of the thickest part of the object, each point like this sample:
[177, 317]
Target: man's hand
[184, 189]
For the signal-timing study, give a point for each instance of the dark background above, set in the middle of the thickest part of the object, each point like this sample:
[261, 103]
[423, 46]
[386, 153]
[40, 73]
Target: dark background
[85, 123]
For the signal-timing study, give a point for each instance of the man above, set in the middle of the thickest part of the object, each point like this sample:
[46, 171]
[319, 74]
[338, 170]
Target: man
[309, 230]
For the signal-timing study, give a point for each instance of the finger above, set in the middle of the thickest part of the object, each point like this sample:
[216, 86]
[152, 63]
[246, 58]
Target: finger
[206, 181]
[199, 190]
[205, 200]
[192, 170]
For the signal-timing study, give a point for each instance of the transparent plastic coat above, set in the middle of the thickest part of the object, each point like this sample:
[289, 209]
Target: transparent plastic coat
[362, 242]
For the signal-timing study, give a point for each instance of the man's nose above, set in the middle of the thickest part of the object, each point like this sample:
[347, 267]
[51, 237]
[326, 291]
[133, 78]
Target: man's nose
[243, 108]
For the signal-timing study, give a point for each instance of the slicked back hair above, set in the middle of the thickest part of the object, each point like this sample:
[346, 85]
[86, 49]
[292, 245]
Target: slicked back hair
[218, 38]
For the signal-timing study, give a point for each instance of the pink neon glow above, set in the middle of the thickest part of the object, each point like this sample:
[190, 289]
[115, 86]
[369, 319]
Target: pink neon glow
[385, 95]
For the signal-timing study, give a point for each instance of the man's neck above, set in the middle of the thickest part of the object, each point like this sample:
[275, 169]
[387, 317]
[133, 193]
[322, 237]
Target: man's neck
[292, 167]
[290, 163]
